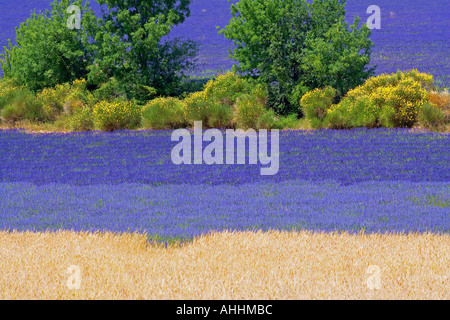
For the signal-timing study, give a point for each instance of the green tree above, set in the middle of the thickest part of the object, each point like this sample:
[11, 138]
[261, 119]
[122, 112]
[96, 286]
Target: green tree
[294, 46]
[47, 51]
[132, 49]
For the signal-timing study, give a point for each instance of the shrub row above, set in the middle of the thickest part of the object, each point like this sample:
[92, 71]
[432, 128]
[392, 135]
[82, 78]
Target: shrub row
[401, 99]
[229, 101]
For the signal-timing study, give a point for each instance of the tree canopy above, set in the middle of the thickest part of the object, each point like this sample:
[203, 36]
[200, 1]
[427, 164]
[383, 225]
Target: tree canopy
[294, 46]
[126, 43]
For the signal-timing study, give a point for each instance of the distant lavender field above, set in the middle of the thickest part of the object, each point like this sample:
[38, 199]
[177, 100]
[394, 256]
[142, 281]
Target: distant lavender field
[351, 180]
[414, 33]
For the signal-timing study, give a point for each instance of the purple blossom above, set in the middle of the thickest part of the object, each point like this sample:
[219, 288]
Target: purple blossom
[379, 180]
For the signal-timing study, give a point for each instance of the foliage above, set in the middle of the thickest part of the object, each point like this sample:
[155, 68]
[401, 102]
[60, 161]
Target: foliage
[8, 90]
[387, 100]
[432, 118]
[125, 44]
[64, 97]
[47, 51]
[294, 46]
[287, 122]
[129, 46]
[199, 107]
[316, 103]
[115, 115]
[248, 110]
[226, 88]
[23, 106]
[81, 120]
[440, 99]
[335, 59]
[196, 107]
[267, 120]
[220, 116]
[109, 90]
[217, 104]
[52, 100]
[163, 113]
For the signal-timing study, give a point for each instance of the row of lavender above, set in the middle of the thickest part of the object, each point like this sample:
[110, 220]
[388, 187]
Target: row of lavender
[373, 180]
[181, 211]
[413, 34]
[346, 156]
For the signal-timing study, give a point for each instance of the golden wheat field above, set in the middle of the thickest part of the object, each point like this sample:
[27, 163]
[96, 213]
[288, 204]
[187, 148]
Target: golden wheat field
[244, 265]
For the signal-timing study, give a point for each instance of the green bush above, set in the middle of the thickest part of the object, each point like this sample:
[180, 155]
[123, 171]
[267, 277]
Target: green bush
[47, 51]
[23, 106]
[109, 90]
[52, 103]
[81, 120]
[116, 115]
[293, 46]
[248, 110]
[431, 117]
[387, 100]
[220, 116]
[163, 113]
[197, 107]
[356, 111]
[8, 91]
[267, 120]
[66, 97]
[217, 105]
[386, 116]
[315, 104]
[336, 119]
[287, 122]
[226, 88]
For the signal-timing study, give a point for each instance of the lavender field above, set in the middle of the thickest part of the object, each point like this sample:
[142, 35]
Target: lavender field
[89, 210]
[384, 180]
[353, 180]
[413, 34]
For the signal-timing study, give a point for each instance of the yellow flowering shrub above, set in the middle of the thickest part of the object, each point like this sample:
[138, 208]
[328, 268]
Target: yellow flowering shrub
[217, 105]
[116, 115]
[52, 100]
[196, 107]
[65, 97]
[248, 111]
[393, 100]
[8, 90]
[81, 120]
[315, 104]
[163, 113]
[407, 99]
[225, 88]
